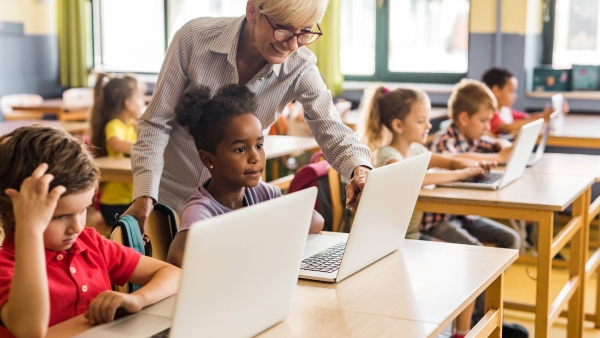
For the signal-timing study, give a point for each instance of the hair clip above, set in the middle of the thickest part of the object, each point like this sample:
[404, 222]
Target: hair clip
[385, 90]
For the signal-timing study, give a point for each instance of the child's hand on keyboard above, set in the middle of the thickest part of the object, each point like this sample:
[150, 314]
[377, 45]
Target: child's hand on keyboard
[472, 172]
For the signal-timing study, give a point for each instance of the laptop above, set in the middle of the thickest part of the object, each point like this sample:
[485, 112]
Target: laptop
[537, 154]
[239, 274]
[515, 166]
[380, 223]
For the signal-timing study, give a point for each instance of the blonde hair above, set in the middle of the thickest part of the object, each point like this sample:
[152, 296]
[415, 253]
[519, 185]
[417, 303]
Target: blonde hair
[293, 12]
[470, 96]
[380, 108]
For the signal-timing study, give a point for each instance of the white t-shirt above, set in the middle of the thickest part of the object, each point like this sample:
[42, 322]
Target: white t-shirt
[389, 153]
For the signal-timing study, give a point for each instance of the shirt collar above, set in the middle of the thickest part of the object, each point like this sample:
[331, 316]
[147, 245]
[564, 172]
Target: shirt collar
[227, 43]
[75, 249]
[461, 140]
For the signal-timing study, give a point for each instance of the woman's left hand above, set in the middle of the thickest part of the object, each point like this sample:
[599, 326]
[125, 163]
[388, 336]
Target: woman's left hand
[104, 307]
[355, 187]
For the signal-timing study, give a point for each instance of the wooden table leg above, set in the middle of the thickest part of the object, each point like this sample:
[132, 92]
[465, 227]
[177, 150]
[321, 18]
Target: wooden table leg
[578, 255]
[544, 267]
[491, 323]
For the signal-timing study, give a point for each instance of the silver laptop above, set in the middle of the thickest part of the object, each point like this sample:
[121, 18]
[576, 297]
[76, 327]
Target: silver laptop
[515, 166]
[240, 271]
[539, 152]
[380, 224]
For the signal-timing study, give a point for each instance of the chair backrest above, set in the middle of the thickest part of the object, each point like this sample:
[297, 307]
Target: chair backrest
[329, 198]
[161, 228]
[78, 97]
[9, 101]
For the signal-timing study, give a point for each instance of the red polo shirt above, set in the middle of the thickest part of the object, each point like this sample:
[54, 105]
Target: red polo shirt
[75, 276]
[496, 120]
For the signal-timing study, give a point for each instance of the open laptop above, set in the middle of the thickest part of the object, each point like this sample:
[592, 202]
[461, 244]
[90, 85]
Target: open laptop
[380, 224]
[515, 166]
[239, 274]
[539, 152]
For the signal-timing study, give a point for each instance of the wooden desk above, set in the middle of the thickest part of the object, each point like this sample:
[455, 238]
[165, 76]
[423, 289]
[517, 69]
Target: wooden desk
[116, 169]
[70, 127]
[584, 166]
[580, 131]
[56, 107]
[414, 292]
[534, 197]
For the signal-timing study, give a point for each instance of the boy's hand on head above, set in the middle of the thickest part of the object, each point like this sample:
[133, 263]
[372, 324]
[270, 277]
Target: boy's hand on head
[33, 205]
[104, 307]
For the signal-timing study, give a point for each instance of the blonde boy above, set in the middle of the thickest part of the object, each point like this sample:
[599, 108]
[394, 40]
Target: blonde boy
[471, 107]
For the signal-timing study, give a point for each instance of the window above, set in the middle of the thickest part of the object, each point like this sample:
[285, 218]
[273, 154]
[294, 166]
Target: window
[182, 11]
[380, 40]
[129, 35]
[405, 40]
[576, 38]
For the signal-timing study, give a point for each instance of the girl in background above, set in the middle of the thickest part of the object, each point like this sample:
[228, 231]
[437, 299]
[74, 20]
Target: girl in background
[118, 105]
[395, 124]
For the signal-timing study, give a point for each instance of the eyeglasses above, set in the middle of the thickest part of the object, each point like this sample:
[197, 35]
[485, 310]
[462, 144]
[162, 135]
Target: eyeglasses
[283, 34]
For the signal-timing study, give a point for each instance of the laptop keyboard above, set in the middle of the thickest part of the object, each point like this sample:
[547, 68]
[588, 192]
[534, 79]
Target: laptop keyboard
[489, 178]
[327, 261]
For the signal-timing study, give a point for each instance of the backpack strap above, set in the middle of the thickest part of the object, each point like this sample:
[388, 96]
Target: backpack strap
[132, 238]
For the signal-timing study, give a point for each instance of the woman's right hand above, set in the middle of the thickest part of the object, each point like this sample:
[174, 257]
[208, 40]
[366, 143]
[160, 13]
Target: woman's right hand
[140, 209]
[33, 205]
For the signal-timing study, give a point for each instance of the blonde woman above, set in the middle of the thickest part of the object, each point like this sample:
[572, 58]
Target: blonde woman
[263, 50]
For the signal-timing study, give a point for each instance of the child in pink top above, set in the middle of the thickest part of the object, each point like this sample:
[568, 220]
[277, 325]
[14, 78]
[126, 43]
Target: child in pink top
[229, 139]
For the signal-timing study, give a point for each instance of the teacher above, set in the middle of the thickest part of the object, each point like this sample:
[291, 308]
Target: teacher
[263, 50]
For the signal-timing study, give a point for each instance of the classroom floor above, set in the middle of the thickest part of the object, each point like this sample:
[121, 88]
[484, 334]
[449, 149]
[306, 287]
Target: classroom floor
[520, 287]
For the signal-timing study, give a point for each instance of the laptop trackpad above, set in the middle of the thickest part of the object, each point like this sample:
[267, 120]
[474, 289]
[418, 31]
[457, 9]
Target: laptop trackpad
[318, 243]
[139, 325]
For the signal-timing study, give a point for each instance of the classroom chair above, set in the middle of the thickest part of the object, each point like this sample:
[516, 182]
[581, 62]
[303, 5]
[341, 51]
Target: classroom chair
[79, 101]
[161, 227]
[330, 197]
[9, 101]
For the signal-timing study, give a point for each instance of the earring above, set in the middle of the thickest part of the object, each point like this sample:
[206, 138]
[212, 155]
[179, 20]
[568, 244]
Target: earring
[252, 22]
[210, 167]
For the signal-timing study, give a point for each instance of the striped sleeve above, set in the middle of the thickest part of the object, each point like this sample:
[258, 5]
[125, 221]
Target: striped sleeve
[156, 123]
[340, 145]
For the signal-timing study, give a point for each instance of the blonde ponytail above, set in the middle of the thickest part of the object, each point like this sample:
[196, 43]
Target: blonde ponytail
[379, 109]
[371, 128]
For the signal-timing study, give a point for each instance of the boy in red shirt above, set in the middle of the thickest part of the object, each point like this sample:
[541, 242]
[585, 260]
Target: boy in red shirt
[506, 120]
[52, 268]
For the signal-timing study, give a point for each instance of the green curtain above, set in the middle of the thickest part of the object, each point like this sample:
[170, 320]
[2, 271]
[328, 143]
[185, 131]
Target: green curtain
[71, 19]
[327, 48]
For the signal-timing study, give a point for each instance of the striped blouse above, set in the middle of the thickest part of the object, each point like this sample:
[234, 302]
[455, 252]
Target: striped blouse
[165, 162]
